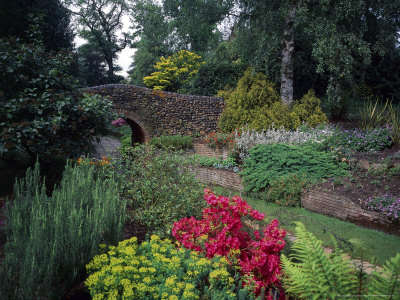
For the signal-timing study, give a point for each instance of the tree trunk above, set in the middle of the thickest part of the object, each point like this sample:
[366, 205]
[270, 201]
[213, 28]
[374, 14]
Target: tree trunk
[287, 57]
[110, 71]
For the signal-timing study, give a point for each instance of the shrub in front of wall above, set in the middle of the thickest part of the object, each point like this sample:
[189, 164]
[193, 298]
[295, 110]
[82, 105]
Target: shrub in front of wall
[387, 204]
[270, 162]
[158, 186]
[286, 190]
[175, 142]
[218, 140]
[155, 269]
[49, 240]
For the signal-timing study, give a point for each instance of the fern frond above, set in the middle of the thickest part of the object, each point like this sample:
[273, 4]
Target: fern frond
[387, 282]
[316, 275]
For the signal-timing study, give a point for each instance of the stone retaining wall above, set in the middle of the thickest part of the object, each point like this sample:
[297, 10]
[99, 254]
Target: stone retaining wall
[340, 207]
[202, 148]
[329, 204]
[225, 178]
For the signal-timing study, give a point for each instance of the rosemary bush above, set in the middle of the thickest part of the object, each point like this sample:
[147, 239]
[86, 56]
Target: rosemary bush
[50, 239]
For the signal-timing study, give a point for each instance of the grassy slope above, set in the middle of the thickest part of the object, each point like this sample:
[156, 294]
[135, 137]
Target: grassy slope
[377, 244]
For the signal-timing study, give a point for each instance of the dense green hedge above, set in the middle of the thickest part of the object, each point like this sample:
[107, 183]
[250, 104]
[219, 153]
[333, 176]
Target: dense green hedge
[176, 142]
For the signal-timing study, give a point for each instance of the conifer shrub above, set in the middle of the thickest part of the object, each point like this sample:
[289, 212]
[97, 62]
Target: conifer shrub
[267, 163]
[256, 103]
[50, 239]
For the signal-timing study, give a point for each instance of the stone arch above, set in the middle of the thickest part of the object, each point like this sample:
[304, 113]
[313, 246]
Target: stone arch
[140, 130]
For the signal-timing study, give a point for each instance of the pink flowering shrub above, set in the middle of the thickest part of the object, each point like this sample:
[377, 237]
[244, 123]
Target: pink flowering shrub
[118, 122]
[220, 232]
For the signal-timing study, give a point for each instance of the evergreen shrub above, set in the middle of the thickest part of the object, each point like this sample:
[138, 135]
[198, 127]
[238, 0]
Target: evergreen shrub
[256, 103]
[267, 163]
[50, 239]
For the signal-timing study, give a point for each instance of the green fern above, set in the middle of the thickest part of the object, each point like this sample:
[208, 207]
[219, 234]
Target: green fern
[313, 274]
[387, 282]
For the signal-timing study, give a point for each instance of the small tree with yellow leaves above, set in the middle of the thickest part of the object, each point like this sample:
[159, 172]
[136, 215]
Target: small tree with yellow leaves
[174, 71]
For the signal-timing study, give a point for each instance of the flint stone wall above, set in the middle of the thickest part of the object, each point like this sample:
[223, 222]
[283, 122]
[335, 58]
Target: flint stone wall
[159, 112]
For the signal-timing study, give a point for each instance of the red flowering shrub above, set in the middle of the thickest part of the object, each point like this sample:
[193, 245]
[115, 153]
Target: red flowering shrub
[220, 233]
[217, 140]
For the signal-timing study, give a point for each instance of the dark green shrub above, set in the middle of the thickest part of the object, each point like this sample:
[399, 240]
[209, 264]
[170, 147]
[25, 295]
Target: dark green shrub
[49, 240]
[175, 142]
[158, 186]
[42, 110]
[286, 190]
[270, 162]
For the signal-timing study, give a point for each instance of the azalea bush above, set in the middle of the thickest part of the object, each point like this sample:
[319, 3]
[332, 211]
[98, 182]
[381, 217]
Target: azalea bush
[220, 232]
[156, 269]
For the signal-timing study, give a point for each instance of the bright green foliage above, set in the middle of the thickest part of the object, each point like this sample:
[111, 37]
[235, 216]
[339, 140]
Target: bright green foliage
[269, 162]
[286, 190]
[316, 275]
[256, 103]
[155, 269]
[310, 273]
[42, 112]
[174, 71]
[253, 93]
[174, 142]
[308, 109]
[159, 187]
[49, 240]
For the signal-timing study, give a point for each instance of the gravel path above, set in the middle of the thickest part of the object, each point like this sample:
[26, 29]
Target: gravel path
[108, 146]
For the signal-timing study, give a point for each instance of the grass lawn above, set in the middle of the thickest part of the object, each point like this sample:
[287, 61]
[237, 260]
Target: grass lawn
[377, 245]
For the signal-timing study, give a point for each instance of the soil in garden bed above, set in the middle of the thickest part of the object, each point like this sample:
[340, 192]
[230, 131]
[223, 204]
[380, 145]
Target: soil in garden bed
[363, 183]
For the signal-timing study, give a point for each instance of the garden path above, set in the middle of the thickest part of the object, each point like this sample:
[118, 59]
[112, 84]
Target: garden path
[108, 146]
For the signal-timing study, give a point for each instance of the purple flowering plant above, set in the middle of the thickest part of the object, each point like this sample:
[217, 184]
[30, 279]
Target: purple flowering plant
[388, 204]
[118, 122]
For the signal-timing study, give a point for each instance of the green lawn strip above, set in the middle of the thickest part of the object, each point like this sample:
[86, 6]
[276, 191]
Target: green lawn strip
[376, 244]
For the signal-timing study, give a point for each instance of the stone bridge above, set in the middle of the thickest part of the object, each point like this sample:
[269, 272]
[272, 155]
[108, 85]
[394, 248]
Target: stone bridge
[152, 112]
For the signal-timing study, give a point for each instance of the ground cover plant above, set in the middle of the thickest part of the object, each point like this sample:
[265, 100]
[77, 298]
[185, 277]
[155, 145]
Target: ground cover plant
[269, 162]
[50, 239]
[174, 142]
[215, 162]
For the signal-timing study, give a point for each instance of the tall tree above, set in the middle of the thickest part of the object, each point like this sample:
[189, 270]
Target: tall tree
[100, 21]
[334, 31]
[152, 38]
[196, 21]
[54, 21]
